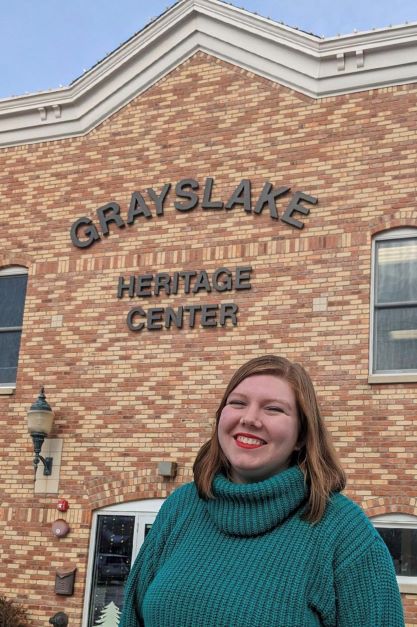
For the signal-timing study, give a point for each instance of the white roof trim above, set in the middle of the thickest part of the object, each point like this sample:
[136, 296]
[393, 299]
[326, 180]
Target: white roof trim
[310, 65]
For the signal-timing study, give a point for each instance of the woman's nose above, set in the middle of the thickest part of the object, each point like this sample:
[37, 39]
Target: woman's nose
[251, 417]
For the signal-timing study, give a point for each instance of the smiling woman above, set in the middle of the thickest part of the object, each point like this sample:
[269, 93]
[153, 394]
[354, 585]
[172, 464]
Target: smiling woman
[266, 380]
[258, 430]
[263, 536]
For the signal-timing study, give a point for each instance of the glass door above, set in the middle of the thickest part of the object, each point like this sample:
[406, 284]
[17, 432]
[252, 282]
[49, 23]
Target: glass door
[116, 539]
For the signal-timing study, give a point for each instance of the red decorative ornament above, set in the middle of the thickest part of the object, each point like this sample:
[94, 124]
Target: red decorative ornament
[60, 528]
[63, 505]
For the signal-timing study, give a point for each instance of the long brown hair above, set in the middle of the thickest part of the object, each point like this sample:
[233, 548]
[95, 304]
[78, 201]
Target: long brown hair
[316, 458]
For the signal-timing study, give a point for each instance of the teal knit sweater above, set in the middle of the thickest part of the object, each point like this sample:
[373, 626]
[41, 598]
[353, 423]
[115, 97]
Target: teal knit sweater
[247, 559]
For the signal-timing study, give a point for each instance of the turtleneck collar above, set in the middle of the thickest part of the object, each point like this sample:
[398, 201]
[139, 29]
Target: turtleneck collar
[249, 509]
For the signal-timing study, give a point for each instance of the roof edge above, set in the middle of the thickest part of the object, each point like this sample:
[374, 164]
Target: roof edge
[303, 62]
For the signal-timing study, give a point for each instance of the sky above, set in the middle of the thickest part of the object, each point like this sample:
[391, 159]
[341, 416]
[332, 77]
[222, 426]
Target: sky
[45, 44]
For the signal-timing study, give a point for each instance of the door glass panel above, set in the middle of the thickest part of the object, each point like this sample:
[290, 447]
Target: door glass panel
[112, 562]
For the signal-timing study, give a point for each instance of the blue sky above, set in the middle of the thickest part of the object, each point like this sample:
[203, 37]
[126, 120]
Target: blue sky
[45, 43]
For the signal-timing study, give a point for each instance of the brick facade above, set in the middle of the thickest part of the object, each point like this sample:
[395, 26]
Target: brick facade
[125, 400]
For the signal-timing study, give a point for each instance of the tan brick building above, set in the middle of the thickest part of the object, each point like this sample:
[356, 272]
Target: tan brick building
[185, 165]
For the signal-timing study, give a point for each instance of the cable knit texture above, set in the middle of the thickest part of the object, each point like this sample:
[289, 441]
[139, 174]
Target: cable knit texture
[247, 559]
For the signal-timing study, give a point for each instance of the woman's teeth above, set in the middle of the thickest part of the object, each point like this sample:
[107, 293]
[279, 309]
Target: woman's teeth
[246, 440]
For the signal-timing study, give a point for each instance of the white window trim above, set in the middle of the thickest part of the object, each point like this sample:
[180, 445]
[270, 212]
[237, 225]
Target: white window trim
[144, 511]
[12, 270]
[397, 376]
[9, 388]
[407, 585]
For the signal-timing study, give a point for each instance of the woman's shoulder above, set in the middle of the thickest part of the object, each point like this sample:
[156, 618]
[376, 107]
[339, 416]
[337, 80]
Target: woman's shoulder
[340, 504]
[174, 509]
[346, 524]
[181, 497]
[342, 512]
[184, 491]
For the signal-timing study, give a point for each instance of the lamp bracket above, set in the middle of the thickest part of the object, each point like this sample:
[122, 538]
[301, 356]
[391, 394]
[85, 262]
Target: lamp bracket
[38, 439]
[47, 465]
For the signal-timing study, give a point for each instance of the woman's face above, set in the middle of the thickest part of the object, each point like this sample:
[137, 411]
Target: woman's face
[258, 428]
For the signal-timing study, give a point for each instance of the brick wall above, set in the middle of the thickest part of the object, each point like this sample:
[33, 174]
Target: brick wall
[125, 400]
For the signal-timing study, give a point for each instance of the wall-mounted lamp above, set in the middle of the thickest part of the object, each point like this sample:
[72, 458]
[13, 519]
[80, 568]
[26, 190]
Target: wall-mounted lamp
[40, 420]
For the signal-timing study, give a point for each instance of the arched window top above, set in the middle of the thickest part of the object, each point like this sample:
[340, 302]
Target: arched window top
[13, 270]
[145, 505]
[396, 233]
[395, 520]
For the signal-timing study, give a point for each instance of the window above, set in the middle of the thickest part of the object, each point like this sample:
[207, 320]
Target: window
[13, 282]
[399, 532]
[394, 322]
[118, 533]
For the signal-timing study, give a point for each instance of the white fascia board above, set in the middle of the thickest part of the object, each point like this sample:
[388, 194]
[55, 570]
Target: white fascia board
[393, 35]
[315, 67]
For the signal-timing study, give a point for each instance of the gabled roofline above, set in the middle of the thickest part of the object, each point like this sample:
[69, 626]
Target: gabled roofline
[314, 66]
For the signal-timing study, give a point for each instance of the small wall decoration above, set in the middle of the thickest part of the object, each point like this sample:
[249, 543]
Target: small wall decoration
[62, 505]
[60, 619]
[64, 581]
[60, 528]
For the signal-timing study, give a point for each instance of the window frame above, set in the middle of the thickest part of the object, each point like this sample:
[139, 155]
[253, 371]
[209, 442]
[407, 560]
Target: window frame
[15, 270]
[407, 585]
[393, 376]
[144, 511]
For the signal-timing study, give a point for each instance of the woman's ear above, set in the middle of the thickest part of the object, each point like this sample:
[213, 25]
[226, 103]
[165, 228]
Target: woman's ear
[299, 445]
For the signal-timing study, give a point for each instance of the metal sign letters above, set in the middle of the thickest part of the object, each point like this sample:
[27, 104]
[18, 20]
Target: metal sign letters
[84, 232]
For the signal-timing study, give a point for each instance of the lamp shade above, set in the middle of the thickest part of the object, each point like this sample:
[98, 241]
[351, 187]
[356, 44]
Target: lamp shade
[40, 416]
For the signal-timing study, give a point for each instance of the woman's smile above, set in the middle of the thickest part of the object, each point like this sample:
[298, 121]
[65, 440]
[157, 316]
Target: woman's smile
[245, 440]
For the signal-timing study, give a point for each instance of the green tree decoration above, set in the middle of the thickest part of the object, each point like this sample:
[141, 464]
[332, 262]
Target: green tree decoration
[110, 616]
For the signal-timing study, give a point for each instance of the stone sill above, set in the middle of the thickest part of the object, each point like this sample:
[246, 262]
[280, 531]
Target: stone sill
[400, 377]
[407, 588]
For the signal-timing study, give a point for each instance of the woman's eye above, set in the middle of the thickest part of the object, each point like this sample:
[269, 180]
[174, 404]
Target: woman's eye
[278, 410]
[236, 402]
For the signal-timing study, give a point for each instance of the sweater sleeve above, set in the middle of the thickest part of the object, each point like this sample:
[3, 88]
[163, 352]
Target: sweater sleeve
[367, 592]
[148, 559]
